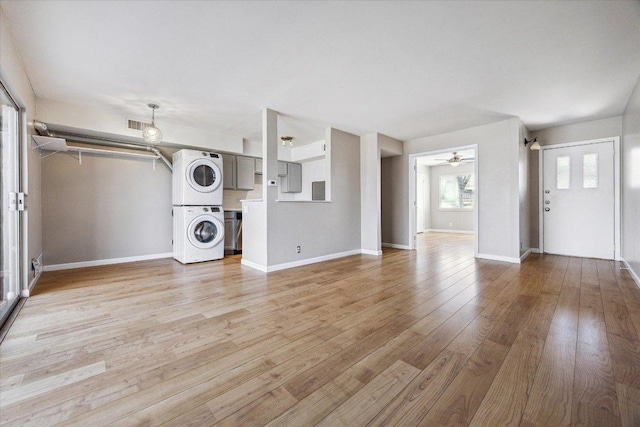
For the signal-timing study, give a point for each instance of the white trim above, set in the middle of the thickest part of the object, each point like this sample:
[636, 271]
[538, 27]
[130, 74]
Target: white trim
[436, 230]
[633, 274]
[395, 246]
[536, 250]
[287, 265]
[371, 252]
[412, 192]
[95, 263]
[512, 260]
[525, 255]
[617, 224]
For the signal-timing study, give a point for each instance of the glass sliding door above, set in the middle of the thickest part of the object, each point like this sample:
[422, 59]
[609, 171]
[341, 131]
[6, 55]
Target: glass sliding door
[9, 215]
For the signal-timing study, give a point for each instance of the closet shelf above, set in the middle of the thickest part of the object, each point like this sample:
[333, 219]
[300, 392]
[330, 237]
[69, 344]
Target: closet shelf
[60, 145]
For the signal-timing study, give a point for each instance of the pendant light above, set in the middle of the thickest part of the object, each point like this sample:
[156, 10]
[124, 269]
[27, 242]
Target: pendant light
[152, 134]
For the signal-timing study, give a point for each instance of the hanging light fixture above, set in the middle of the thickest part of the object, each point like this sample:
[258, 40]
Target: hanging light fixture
[286, 139]
[151, 133]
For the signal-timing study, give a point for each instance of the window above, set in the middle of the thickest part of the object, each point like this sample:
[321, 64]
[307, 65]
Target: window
[457, 191]
[563, 172]
[590, 170]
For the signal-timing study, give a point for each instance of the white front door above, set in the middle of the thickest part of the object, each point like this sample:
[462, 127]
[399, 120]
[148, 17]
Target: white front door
[578, 200]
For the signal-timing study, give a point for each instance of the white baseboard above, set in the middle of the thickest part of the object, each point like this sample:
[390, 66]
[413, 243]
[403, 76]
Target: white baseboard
[633, 274]
[370, 252]
[525, 255]
[536, 250]
[512, 260]
[393, 245]
[435, 230]
[98, 262]
[286, 265]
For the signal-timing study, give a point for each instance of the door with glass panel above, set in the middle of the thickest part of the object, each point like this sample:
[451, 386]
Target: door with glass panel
[578, 200]
[9, 255]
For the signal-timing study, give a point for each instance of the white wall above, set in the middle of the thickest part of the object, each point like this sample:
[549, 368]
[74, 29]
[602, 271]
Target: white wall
[424, 211]
[370, 223]
[14, 75]
[498, 180]
[440, 219]
[524, 190]
[579, 131]
[373, 148]
[630, 177]
[585, 131]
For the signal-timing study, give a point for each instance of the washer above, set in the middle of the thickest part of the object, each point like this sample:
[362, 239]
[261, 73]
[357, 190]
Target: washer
[197, 178]
[198, 233]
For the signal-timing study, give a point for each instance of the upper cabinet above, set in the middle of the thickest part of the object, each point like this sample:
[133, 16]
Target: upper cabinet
[282, 168]
[245, 173]
[292, 183]
[238, 172]
[229, 171]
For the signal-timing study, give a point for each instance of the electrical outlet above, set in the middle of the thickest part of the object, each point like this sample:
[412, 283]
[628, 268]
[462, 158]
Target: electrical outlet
[298, 249]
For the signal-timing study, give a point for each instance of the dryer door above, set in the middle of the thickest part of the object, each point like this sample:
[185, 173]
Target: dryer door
[205, 232]
[204, 175]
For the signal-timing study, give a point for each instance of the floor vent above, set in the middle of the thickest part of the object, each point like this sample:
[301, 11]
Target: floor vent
[136, 125]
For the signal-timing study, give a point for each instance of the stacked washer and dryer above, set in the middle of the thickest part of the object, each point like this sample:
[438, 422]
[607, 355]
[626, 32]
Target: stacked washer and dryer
[198, 217]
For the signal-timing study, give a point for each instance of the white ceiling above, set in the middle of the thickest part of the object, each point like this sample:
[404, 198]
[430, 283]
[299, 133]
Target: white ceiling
[405, 69]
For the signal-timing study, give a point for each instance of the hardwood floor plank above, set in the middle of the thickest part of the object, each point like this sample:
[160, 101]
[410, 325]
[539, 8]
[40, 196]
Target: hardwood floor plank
[369, 400]
[459, 402]
[550, 398]
[594, 392]
[426, 337]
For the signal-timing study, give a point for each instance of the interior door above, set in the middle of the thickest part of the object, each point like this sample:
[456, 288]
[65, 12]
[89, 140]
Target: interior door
[9, 223]
[578, 200]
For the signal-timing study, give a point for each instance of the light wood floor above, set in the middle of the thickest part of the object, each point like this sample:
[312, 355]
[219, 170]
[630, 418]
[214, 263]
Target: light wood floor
[427, 337]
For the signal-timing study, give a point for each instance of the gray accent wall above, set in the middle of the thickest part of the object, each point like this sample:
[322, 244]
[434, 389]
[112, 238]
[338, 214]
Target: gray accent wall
[108, 207]
[630, 177]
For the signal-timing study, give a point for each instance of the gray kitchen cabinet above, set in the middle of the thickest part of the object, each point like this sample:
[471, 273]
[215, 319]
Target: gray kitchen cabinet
[229, 171]
[245, 173]
[282, 168]
[259, 166]
[292, 183]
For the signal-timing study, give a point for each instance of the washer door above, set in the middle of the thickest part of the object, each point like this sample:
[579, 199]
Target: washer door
[205, 232]
[204, 176]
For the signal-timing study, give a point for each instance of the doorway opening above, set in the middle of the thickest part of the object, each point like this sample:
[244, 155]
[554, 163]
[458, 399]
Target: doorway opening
[444, 190]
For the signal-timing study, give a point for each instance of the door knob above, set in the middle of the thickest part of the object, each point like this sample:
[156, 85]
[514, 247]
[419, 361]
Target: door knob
[547, 202]
[547, 209]
[547, 191]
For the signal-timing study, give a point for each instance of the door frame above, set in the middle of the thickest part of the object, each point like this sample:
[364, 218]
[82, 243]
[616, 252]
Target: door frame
[413, 176]
[615, 140]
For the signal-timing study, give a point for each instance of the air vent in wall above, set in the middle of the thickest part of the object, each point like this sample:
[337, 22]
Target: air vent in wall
[136, 125]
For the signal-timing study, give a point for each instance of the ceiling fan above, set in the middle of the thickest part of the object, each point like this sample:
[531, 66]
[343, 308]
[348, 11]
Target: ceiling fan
[456, 159]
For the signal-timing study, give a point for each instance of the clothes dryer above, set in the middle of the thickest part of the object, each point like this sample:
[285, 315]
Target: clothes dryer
[198, 233]
[197, 178]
